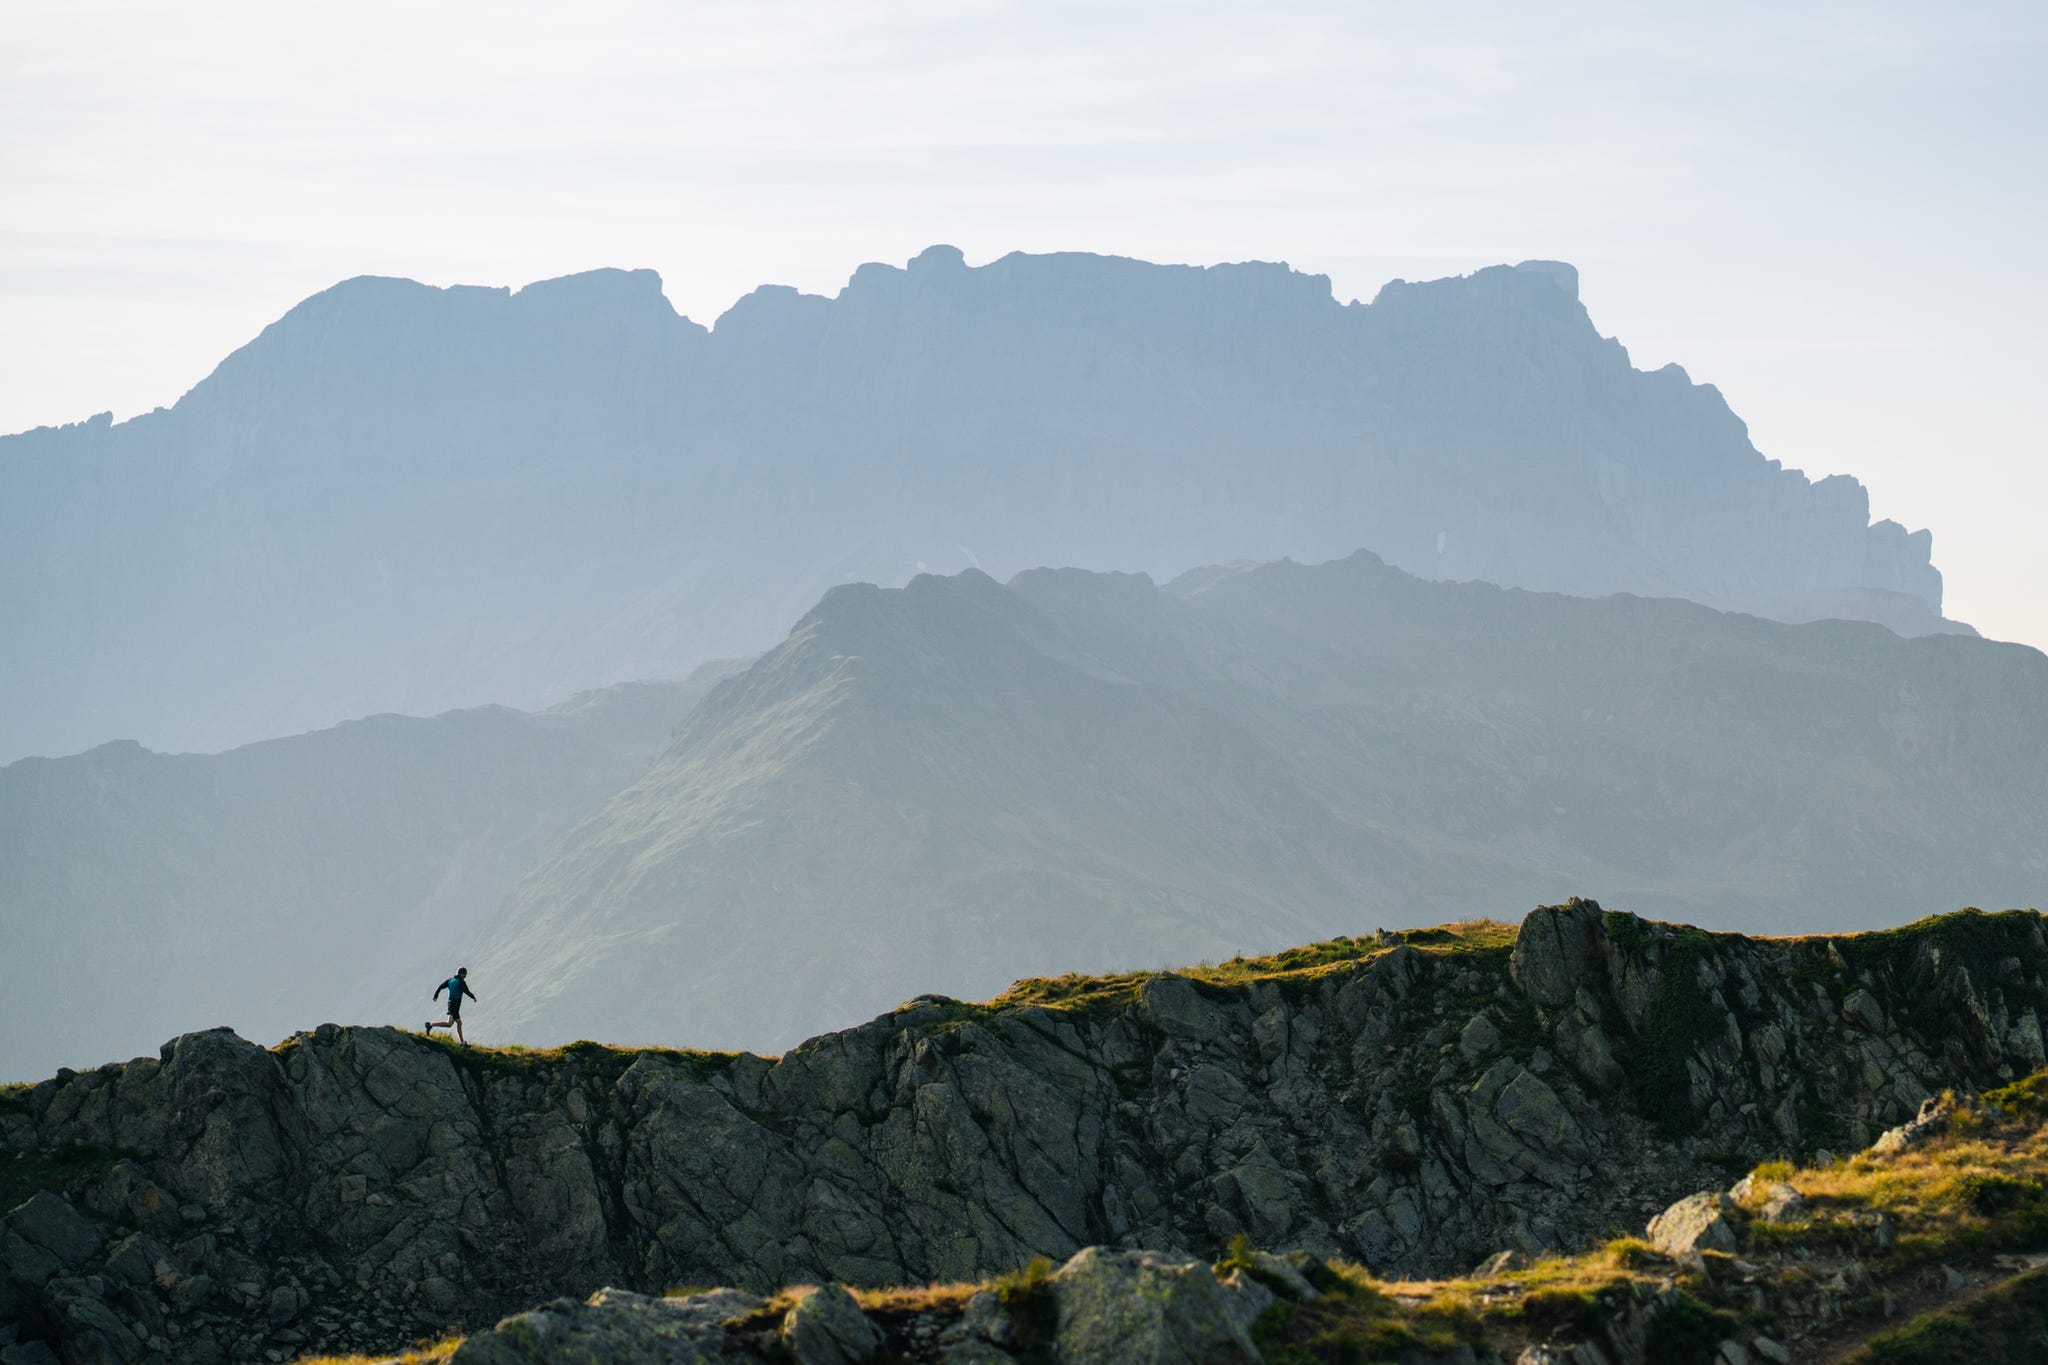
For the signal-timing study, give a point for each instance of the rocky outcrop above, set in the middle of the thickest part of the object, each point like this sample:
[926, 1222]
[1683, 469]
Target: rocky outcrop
[1100, 1308]
[366, 1185]
[1141, 1308]
[1146, 1309]
[623, 1328]
[1697, 1222]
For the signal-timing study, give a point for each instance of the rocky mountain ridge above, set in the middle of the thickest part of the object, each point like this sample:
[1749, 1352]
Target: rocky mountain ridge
[1412, 1103]
[948, 785]
[408, 499]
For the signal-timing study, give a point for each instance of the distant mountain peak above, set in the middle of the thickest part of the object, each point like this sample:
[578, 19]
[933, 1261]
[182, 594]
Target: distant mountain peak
[608, 282]
[1565, 276]
[403, 497]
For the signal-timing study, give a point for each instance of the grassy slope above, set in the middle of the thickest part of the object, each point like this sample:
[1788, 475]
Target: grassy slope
[2009, 1323]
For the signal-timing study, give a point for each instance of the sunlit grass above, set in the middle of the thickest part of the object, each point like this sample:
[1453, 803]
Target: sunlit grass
[1076, 991]
[430, 1353]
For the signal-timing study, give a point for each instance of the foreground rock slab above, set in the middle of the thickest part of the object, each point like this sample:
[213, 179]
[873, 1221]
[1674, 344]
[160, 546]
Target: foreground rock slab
[616, 1326]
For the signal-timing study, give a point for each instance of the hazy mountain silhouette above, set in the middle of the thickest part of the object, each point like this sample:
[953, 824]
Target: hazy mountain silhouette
[145, 894]
[950, 785]
[400, 498]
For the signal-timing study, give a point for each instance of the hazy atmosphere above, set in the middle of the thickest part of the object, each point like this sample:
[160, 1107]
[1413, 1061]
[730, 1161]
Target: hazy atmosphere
[1827, 211]
[1207, 684]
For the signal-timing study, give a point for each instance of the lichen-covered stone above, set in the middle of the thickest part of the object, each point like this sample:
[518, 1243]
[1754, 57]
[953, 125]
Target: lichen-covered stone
[826, 1327]
[1698, 1222]
[1143, 1308]
[49, 1224]
[1479, 1040]
[1782, 1204]
[615, 1327]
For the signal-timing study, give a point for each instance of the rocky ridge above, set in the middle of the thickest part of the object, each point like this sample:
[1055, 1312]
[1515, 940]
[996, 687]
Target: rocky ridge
[1902, 1255]
[1412, 1102]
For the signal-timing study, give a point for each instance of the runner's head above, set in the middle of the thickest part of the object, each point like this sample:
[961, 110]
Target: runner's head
[462, 971]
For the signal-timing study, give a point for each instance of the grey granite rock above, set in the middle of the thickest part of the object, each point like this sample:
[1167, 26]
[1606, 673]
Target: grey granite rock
[826, 1327]
[1142, 1308]
[50, 1224]
[615, 1327]
[1697, 1222]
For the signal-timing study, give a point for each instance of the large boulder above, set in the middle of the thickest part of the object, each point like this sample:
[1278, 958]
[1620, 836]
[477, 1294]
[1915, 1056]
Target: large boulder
[1556, 949]
[1698, 1222]
[1143, 1308]
[49, 1224]
[615, 1327]
[1782, 1204]
[826, 1327]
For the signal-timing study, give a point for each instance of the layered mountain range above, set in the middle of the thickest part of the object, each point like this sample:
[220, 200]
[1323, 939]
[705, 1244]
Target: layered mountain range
[143, 891]
[951, 784]
[944, 786]
[401, 498]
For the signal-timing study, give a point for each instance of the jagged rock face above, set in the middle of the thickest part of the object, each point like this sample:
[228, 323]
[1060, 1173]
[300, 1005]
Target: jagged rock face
[360, 1175]
[403, 498]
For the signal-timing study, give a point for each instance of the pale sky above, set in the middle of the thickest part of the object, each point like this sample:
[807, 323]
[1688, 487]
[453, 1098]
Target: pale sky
[1832, 212]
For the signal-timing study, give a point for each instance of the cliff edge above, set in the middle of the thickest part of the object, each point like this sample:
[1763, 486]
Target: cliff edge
[1409, 1101]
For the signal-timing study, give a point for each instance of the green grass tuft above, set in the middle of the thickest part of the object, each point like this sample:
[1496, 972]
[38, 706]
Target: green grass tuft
[2026, 1099]
[607, 1061]
[1034, 1313]
[1488, 941]
[2010, 1323]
